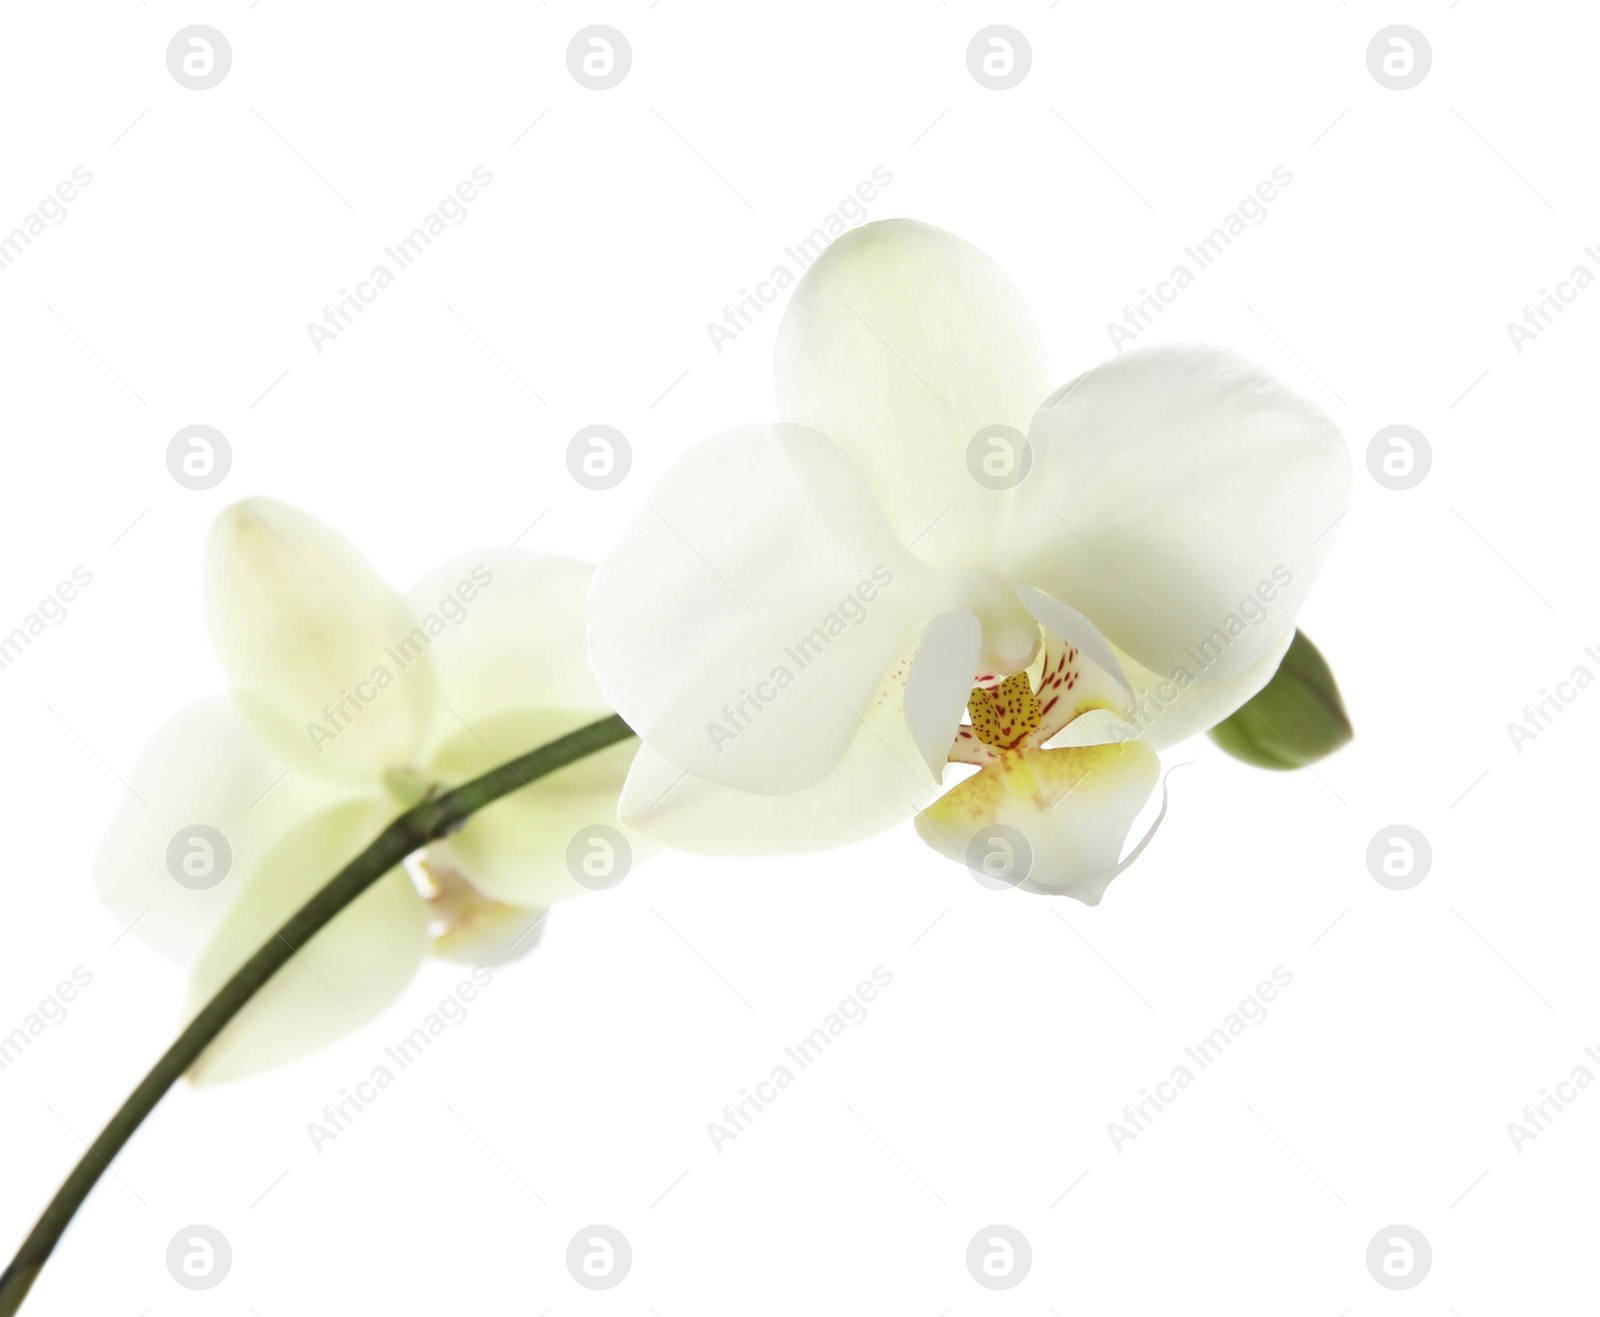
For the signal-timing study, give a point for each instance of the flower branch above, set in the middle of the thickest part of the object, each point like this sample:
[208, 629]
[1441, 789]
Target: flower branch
[425, 822]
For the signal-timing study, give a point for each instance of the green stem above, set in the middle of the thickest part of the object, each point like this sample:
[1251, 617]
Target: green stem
[414, 829]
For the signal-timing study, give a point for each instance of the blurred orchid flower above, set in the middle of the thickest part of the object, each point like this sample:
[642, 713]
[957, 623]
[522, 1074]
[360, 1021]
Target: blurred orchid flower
[348, 704]
[796, 620]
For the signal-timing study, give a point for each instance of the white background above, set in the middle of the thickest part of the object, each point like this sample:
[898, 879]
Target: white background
[979, 1090]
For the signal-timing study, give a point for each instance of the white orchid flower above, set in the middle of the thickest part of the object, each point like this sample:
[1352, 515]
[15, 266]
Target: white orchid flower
[795, 620]
[348, 703]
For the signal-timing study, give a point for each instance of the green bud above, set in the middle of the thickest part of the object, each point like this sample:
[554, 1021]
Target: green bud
[1296, 719]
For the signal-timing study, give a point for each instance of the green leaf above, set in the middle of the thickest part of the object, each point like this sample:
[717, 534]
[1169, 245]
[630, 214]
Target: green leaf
[1296, 719]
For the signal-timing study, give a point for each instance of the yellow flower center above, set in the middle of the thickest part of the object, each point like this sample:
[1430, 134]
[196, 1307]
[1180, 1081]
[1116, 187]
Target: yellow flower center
[1006, 716]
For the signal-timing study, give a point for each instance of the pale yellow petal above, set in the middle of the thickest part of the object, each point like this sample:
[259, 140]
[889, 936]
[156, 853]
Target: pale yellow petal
[207, 802]
[327, 663]
[517, 849]
[358, 965]
[506, 631]
[1046, 820]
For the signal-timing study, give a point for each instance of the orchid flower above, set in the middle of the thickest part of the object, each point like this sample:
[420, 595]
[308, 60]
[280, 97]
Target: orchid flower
[797, 618]
[348, 704]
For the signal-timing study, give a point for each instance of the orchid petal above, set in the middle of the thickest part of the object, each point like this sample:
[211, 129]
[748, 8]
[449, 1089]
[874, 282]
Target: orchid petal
[1058, 818]
[1077, 630]
[901, 343]
[940, 680]
[1069, 685]
[327, 663]
[205, 803]
[880, 783]
[760, 563]
[1184, 499]
[467, 926]
[506, 630]
[1166, 712]
[347, 974]
[516, 850]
